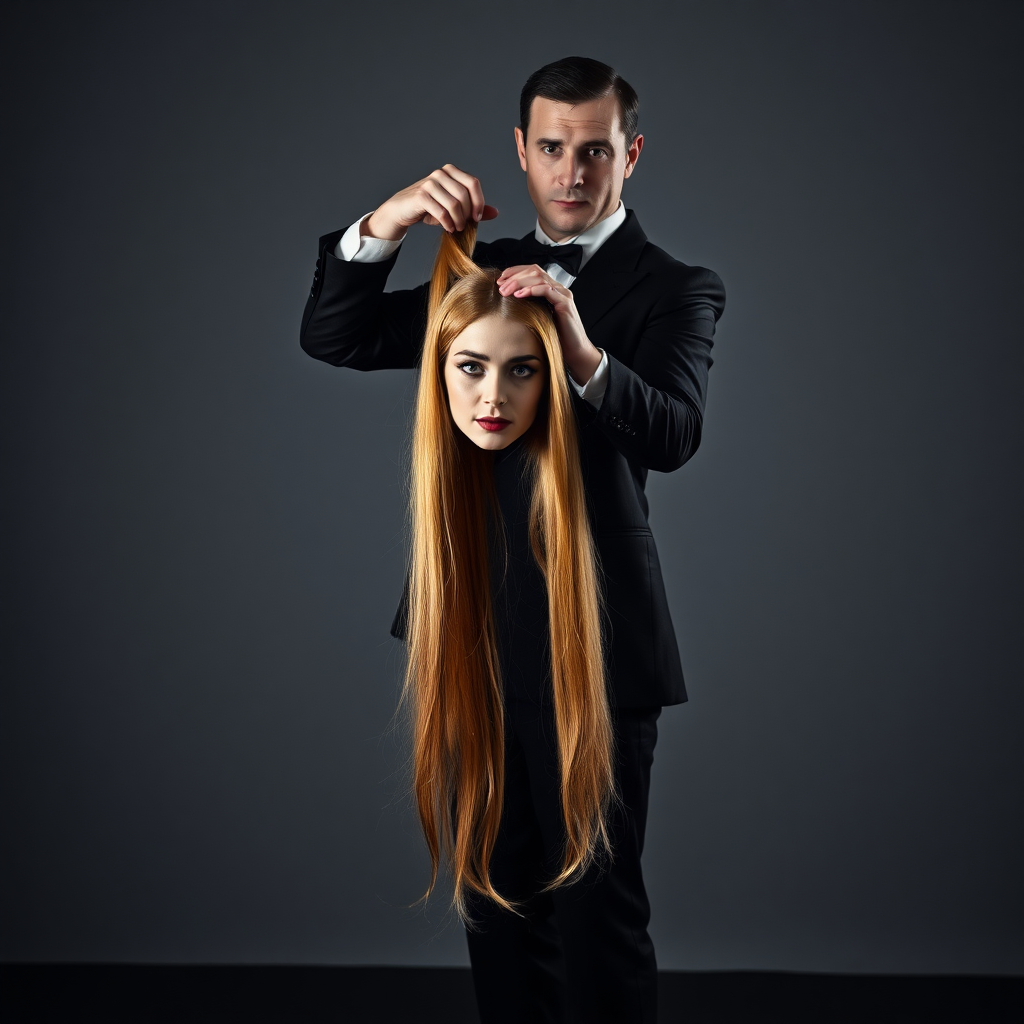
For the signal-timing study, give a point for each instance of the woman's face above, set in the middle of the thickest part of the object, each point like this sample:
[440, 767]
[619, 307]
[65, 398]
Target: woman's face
[495, 373]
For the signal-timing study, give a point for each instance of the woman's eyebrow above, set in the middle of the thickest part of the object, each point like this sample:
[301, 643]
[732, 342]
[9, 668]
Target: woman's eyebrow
[487, 359]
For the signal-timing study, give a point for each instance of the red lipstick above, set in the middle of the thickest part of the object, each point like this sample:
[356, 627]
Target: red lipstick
[492, 422]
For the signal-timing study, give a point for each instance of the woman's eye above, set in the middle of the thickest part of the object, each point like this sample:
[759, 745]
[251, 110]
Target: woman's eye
[472, 369]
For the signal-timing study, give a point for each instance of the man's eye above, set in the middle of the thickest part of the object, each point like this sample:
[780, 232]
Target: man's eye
[548, 149]
[597, 152]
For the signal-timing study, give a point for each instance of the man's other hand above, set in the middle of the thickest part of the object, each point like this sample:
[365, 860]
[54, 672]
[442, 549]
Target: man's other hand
[582, 357]
[448, 196]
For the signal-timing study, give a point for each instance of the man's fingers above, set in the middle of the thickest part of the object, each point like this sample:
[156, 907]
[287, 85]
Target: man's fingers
[517, 277]
[509, 272]
[458, 190]
[447, 196]
[457, 216]
[548, 291]
[439, 211]
[476, 208]
[560, 298]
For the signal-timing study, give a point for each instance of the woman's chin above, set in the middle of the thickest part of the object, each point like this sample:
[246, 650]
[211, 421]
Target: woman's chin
[495, 443]
[492, 440]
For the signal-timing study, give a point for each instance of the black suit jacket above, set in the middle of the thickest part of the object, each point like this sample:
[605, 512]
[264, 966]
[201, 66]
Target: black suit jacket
[655, 317]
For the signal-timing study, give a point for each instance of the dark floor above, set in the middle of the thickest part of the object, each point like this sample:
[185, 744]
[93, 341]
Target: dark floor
[140, 993]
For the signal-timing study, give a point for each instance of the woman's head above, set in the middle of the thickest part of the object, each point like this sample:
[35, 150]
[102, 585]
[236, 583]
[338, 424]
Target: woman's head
[492, 354]
[495, 375]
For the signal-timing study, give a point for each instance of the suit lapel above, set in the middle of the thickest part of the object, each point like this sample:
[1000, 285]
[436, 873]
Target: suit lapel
[595, 296]
[611, 273]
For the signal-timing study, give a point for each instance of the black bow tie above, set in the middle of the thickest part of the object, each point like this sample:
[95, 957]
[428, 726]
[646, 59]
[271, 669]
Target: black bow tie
[568, 257]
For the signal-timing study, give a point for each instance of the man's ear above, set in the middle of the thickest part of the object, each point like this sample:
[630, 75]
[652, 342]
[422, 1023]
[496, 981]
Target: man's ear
[521, 147]
[633, 154]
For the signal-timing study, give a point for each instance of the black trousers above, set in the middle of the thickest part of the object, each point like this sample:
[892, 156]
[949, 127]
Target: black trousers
[581, 953]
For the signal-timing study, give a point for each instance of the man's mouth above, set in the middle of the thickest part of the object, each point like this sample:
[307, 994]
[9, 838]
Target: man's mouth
[570, 204]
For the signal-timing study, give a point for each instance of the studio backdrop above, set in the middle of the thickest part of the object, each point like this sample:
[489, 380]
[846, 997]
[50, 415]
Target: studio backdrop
[206, 528]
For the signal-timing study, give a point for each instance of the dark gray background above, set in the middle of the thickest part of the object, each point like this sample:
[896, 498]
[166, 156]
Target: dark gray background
[206, 526]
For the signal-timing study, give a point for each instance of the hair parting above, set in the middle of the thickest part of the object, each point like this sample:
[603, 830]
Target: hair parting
[453, 684]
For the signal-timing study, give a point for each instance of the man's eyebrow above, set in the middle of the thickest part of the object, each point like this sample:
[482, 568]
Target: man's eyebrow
[589, 144]
[487, 359]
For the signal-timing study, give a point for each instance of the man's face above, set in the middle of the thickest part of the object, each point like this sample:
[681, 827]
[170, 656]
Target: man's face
[495, 374]
[575, 158]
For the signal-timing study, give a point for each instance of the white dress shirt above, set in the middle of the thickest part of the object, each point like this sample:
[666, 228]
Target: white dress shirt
[357, 248]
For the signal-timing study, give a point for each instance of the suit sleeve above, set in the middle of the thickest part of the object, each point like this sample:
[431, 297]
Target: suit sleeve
[349, 319]
[654, 411]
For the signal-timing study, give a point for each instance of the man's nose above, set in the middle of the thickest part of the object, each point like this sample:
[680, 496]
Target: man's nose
[570, 172]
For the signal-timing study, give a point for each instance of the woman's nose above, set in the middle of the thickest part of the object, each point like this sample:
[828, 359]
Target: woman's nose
[494, 394]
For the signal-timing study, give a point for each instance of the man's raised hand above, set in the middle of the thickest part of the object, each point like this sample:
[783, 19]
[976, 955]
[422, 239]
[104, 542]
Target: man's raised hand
[448, 196]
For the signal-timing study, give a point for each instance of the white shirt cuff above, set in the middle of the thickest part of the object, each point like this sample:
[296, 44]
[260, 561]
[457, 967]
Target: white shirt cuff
[593, 391]
[356, 248]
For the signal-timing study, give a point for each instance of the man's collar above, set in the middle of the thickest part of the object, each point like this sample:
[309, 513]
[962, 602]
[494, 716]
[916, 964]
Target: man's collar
[593, 238]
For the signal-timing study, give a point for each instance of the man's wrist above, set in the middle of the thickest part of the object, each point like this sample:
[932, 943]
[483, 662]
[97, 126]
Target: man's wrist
[356, 247]
[583, 365]
[376, 226]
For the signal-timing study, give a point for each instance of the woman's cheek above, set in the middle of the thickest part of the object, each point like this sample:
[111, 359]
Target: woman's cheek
[459, 387]
[466, 392]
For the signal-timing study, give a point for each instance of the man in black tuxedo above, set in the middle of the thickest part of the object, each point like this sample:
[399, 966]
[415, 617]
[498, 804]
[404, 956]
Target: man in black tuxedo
[636, 328]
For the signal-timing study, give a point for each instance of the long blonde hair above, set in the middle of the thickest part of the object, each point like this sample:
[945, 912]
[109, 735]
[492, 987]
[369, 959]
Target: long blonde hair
[453, 680]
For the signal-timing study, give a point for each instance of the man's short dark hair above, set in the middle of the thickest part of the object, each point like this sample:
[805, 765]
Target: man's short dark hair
[577, 80]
